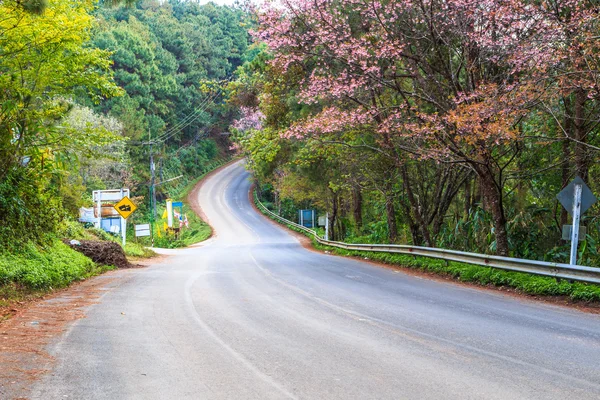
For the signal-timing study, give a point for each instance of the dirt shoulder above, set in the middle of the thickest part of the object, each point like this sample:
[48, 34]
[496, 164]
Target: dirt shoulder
[25, 337]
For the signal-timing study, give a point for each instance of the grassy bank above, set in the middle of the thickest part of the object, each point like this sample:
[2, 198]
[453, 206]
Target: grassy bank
[485, 276]
[38, 270]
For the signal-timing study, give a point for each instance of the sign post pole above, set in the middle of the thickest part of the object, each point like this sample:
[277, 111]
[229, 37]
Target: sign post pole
[576, 217]
[123, 226]
[99, 205]
[576, 198]
[326, 226]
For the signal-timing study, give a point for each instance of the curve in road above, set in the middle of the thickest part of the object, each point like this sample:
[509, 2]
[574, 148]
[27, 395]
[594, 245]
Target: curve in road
[253, 315]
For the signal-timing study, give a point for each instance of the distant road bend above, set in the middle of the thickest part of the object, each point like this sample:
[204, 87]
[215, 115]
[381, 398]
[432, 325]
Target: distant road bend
[253, 315]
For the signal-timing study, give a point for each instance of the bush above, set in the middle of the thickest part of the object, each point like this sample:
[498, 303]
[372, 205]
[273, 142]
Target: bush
[29, 211]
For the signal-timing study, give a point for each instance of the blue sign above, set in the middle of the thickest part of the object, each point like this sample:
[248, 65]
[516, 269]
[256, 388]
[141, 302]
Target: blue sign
[177, 204]
[108, 223]
[307, 218]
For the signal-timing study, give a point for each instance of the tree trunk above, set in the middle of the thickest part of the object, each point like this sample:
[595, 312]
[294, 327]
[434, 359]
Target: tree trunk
[581, 158]
[467, 198]
[390, 212]
[357, 207]
[415, 207]
[333, 216]
[566, 151]
[494, 202]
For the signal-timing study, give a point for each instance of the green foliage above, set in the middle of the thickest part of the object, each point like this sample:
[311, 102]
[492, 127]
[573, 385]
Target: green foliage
[44, 268]
[137, 250]
[30, 212]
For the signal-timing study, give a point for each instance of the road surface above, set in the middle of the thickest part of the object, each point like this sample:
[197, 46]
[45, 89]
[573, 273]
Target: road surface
[253, 315]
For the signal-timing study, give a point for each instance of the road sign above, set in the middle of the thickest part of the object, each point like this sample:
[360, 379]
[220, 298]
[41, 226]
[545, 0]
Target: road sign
[576, 198]
[567, 196]
[177, 204]
[142, 230]
[125, 207]
[307, 218]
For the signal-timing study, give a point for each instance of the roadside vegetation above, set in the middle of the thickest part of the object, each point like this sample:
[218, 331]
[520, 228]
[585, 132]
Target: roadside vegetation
[427, 123]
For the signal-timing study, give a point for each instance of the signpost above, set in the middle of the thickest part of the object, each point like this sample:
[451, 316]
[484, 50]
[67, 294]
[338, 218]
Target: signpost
[110, 212]
[105, 216]
[142, 230]
[576, 198]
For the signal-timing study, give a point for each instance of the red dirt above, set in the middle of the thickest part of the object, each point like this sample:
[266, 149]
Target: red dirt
[24, 337]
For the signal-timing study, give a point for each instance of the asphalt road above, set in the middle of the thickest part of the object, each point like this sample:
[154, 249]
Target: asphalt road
[253, 315]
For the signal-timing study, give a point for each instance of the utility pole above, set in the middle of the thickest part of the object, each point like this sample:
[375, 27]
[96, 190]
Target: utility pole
[152, 180]
[152, 189]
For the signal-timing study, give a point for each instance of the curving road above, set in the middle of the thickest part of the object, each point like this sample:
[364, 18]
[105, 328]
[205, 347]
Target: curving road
[253, 315]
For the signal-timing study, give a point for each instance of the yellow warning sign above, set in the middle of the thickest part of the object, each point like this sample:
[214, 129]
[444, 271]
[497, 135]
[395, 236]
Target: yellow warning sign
[125, 207]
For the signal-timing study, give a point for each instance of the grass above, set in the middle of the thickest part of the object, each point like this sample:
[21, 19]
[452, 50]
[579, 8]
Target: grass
[485, 276]
[36, 271]
[137, 250]
[198, 231]
[46, 268]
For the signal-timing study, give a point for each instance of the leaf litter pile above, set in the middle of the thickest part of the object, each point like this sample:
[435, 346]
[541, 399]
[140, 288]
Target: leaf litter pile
[102, 252]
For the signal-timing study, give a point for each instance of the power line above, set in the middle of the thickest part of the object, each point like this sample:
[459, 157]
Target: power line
[189, 119]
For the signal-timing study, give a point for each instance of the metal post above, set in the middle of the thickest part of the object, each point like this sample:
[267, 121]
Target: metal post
[575, 227]
[327, 226]
[313, 219]
[123, 225]
[301, 218]
[152, 190]
[99, 205]
[153, 185]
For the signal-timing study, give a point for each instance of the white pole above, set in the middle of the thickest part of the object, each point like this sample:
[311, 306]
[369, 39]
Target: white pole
[123, 225]
[575, 227]
[169, 213]
[313, 219]
[301, 218]
[99, 205]
[326, 226]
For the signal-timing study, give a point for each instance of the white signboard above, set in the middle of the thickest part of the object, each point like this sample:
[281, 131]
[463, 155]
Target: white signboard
[142, 230]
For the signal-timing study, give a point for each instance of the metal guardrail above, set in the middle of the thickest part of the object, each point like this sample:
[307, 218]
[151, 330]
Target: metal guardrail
[555, 270]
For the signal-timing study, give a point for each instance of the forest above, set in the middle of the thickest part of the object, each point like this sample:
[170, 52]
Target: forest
[448, 124]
